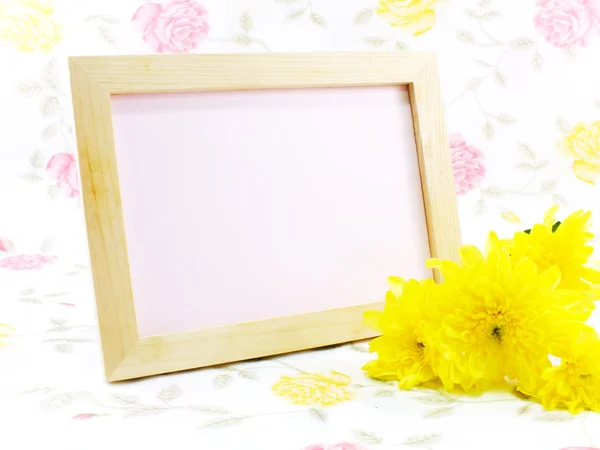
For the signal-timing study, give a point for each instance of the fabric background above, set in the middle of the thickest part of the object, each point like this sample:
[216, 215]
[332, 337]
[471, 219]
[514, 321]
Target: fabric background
[517, 76]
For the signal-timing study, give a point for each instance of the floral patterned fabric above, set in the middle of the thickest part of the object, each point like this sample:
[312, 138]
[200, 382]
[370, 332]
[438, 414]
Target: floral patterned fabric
[519, 80]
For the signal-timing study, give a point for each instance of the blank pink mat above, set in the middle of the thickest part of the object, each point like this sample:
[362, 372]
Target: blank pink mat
[241, 206]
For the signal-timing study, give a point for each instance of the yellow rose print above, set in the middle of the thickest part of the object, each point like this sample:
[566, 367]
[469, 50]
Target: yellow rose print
[416, 16]
[583, 145]
[314, 388]
[28, 25]
[5, 331]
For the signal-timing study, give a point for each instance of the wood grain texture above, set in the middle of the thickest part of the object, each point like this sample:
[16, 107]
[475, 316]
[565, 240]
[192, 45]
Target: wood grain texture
[189, 73]
[104, 218]
[218, 345]
[435, 164]
[94, 79]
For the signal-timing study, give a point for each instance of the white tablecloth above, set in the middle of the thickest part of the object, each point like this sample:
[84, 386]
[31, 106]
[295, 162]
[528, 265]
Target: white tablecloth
[53, 394]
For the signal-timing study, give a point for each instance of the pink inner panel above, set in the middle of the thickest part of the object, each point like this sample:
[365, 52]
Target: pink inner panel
[242, 206]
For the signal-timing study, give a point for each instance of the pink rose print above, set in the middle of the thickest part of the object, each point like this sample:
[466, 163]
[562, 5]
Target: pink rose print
[26, 262]
[567, 23]
[467, 164]
[339, 446]
[5, 244]
[177, 26]
[63, 169]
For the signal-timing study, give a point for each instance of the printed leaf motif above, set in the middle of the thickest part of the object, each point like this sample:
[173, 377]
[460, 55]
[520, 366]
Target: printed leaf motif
[488, 131]
[318, 414]
[550, 185]
[33, 301]
[523, 43]
[58, 401]
[480, 207]
[64, 347]
[464, 36]
[499, 79]
[170, 393]
[242, 39]
[491, 15]
[104, 18]
[483, 64]
[363, 16]
[246, 22]
[436, 398]
[247, 375]
[384, 393]
[28, 88]
[506, 119]
[295, 15]
[53, 192]
[49, 106]
[368, 437]
[537, 62]
[438, 413]
[221, 423]
[50, 132]
[560, 200]
[50, 73]
[471, 13]
[531, 166]
[422, 440]
[36, 160]
[31, 177]
[47, 245]
[526, 151]
[563, 125]
[401, 46]
[359, 348]
[125, 400]
[107, 34]
[524, 409]
[37, 390]
[473, 83]
[374, 41]
[493, 191]
[222, 380]
[318, 20]
[209, 409]
[147, 412]
[555, 417]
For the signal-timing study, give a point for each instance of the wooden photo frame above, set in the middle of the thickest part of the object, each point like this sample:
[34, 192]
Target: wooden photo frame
[97, 83]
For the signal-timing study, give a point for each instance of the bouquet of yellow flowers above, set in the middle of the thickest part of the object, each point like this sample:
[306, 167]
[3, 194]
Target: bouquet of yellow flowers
[500, 316]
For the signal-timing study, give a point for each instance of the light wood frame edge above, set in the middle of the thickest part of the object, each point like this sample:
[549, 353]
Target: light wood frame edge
[94, 79]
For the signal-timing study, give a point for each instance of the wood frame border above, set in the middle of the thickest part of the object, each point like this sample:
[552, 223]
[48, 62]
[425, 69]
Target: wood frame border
[95, 79]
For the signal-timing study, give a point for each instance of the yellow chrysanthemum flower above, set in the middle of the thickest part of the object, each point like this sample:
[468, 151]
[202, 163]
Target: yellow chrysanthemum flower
[5, 331]
[575, 383]
[315, 388]
[500, 317]
[564, 245]
[416, 16]
[28, 25]
[404, 351]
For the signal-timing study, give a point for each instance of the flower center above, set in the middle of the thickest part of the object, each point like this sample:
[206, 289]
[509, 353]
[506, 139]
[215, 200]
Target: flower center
[420, 347]
[544, 260]
[496, 333]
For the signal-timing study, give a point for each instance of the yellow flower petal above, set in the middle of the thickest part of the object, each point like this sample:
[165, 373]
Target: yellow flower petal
[511, 217]
[587, 172]
[5, 330]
